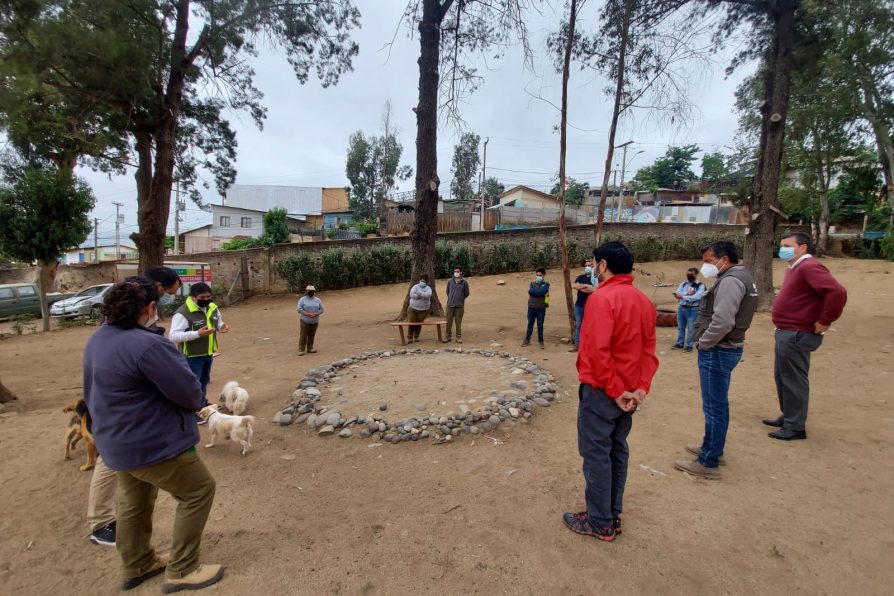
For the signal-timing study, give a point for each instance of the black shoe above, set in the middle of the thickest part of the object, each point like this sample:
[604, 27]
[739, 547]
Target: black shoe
[687, 349]
[616, 524]
[788, 435]
[542, 346]
[104, 535]
[527, 342]
[776, 422]
[677, 347]
[579, 523]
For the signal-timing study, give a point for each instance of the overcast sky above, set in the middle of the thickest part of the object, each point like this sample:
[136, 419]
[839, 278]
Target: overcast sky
[305, 136]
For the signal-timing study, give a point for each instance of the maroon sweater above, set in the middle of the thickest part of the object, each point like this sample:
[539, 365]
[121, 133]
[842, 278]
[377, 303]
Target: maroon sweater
[809, 295]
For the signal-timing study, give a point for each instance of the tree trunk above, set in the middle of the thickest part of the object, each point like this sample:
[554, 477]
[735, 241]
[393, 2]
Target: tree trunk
[616, 112]
[46, 278]
[425, 222]
[760, 242]
[5, 394]
[563, 143]
[155, 177]
[886, 154]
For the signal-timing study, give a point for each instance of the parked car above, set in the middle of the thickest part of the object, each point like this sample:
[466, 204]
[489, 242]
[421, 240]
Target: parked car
[84, 303]
[23, 299]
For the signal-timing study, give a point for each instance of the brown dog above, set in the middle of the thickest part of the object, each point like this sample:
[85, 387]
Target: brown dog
[80, 428]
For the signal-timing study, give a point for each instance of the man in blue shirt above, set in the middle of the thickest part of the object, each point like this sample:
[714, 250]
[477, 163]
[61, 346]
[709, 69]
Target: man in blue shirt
[584, 284]
[689, 294]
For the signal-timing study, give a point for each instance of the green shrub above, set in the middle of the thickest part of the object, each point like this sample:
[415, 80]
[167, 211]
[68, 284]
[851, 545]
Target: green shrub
[886, 247]
[22, 323]
[298, 271]
[241, 244]
[332, 234]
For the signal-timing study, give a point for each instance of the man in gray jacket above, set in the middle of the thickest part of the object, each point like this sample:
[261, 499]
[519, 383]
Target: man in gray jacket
[457, 292]
[724, 315]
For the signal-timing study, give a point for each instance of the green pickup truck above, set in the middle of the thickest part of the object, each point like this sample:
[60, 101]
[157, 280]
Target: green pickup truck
[21, 299]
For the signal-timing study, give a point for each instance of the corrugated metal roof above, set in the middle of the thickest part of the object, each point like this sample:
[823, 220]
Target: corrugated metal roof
[305, 200]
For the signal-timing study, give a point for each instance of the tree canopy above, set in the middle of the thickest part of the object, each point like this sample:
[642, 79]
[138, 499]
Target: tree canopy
[575, 192]
[466, 160]
[673, 170]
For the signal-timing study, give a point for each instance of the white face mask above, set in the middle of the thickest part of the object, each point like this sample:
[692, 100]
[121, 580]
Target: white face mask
[457, 274]
[153, 318]
[539, 278]
[709, 270]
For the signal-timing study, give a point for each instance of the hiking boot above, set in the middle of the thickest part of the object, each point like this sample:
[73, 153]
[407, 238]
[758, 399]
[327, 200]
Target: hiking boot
[696, 469]
[104, 535]
[202, 577]
[154, 568]
[525, 343]
[579, 523]
[448, 340]
[301, 353]
[696, 450]
[311, 351]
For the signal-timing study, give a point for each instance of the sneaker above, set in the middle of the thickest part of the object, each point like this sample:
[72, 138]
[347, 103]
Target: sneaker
[616, 524]
[311, 351]
[542, 347]
[579, 523]
[104, 535]
[459, 340]
[202, 577]
[696, 450]
[301, 353]
[525, 343]
[687, 349]
[677, 347]
[155, 568]
[448, 340]
[696, 469]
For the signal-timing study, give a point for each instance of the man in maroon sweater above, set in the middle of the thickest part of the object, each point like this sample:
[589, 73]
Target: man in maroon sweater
[808, 303]
[615, 365]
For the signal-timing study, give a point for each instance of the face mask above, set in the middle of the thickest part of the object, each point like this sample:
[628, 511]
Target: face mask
[539, 278]
[153, 318]
[203, 303]
[457, 274]
[423, 284]
[588, 269]
[786, 253]
[599, 275]
[310, 294]
[690, 277]
[165, 299]
[709, 270]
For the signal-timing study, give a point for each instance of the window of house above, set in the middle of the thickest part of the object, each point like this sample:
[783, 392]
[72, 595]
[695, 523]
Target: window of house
[225, 221]
[26, 291]
[246, 222]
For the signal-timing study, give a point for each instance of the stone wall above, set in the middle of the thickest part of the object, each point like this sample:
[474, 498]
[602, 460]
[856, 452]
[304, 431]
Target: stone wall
[258, 265]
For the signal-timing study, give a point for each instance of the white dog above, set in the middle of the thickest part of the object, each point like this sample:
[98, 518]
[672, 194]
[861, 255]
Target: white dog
[235, 428]
[235, 398]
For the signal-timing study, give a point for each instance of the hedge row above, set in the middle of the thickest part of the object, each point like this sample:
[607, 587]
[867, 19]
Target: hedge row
[384, 264]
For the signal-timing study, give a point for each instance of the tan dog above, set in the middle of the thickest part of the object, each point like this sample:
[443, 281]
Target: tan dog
[234, 398]
[235, 428]
[82, 430]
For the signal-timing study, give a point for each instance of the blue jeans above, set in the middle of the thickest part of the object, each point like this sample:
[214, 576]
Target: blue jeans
[715, 367]
[686, 317]
[535, 314]
[602, 429]
[579, 317]
[201, 368]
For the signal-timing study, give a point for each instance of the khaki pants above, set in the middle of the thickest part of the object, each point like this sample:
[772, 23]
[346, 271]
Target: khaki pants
[415, 316]
[306, 335]
[101, 499]
[455, 314]
[190, 483]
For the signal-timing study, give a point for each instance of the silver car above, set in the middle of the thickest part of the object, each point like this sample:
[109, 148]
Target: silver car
[84, 303]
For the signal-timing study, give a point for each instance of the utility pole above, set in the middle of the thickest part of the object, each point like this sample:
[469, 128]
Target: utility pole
[483, 182]
[95, 239]
[118, 207]
[623, 173]
[177, 219]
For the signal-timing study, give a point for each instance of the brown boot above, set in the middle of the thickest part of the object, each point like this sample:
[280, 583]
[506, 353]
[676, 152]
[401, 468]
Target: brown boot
[696, 450]
[202, 577]
[154, 568]
[696, 469]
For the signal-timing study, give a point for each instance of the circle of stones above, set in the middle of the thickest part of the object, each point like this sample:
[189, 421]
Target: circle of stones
[304, 405]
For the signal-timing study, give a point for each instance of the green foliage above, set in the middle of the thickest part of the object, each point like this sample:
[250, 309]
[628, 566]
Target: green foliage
[241, 244]
[332, 234]
[492, 189]
[276, 227]
[23, 323]
[465, 166]
[886, 247]
[43, 212]
[673, 170]
[714, 167]
[574, 193]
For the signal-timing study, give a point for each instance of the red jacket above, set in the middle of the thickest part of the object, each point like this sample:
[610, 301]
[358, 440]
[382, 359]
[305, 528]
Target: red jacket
[617, 339]
[809, 295]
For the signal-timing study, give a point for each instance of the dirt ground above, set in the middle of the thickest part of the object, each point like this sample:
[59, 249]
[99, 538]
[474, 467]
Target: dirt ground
[813, 516]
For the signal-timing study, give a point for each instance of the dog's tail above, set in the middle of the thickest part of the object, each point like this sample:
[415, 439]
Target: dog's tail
[247, 421]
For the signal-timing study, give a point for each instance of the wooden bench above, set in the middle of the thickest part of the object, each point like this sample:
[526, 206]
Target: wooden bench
[401, 324]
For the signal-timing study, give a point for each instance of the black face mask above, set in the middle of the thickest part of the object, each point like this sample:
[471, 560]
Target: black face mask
[203, 303]
[310, 294]
[691, 278]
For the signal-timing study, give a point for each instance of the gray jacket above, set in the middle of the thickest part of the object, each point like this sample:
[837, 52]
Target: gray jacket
[457, 292]
[726, 311]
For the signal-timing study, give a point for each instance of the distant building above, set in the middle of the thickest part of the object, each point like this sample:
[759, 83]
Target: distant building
[106, 252]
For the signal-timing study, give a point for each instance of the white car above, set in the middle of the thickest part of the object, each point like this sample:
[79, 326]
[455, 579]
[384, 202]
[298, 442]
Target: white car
[84, 303]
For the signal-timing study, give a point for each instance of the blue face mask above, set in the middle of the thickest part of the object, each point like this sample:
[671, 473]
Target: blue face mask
[422, 284]
[588, 269]
[786, 253]
[166, 299]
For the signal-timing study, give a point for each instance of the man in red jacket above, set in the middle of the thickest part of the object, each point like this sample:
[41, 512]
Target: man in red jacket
[808, 303]
[615, 365]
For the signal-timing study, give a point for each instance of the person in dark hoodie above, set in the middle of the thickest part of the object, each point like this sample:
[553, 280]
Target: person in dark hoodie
[142, 398]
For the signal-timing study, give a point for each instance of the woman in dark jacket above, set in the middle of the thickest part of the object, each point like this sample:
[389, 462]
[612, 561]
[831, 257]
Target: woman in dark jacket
[142, 398]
